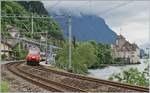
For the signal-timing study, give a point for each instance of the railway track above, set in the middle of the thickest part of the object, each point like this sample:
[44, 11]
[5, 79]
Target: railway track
[107, 82]
[59, 87]
[42, 82]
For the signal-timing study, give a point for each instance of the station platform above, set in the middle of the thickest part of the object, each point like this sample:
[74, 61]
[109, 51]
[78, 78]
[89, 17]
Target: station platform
[43, 63]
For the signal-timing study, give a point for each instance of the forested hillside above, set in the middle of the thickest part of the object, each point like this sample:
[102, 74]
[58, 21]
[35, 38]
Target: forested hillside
[29, 8]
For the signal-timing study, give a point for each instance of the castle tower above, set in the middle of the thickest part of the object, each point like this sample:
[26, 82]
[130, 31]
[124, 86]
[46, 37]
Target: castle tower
[120, 40]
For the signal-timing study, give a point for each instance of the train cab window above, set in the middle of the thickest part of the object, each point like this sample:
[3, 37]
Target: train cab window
[33, 52]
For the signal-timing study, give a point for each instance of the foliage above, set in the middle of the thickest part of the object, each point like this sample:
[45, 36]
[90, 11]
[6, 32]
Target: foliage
[20, 55]
[4, 31]
[6, 34]
[29, 35]
[84, 56]
[3, 56]
[86, 53]
[103, 53]
[11, 7]
[36, 36]
[132, 76]
[4, 86]
[39, 25]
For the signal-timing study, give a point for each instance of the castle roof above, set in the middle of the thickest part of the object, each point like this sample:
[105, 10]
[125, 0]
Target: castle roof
[127, 46]
[120, 37]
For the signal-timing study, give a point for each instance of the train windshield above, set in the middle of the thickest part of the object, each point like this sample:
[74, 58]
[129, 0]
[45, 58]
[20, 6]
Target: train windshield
[33, 52]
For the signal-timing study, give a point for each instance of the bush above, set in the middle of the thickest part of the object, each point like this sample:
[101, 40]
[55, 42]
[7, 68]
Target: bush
[4, 86]
[83, 57]
[36, 36]
[20, 55]
[132, 76]
[3, 56]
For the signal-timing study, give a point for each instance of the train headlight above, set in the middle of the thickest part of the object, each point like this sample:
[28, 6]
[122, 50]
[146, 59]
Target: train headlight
[33, 57]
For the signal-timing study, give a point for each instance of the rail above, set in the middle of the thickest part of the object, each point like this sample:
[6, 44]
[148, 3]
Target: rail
[81, 77]
[107, 82]
[40, 81]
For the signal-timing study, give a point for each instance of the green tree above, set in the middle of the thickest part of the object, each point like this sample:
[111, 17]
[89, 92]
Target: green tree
[83, 57]
[20, 55]
[12, 7]
[103, 53]
[132, 76]
[87, 54]
[3, 56]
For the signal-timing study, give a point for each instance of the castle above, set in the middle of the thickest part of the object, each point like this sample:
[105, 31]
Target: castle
[124, 51]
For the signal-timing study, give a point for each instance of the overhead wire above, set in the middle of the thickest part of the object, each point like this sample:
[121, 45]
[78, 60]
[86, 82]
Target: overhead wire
[109, 9]
[115, 7]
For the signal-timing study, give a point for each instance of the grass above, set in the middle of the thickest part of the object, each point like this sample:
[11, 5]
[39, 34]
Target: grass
[57, 69]
[4, 86]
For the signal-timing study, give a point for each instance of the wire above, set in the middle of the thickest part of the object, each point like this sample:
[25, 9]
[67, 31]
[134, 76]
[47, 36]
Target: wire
[109, 10]
[116, 7]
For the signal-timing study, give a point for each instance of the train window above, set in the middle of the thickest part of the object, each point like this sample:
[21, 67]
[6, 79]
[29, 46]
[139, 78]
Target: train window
[33, 52]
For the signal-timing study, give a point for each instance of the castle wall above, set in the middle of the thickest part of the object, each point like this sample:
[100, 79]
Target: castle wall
[118, 53]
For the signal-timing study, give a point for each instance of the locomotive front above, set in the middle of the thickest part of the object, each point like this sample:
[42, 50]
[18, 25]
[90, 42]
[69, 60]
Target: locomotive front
[33, 57]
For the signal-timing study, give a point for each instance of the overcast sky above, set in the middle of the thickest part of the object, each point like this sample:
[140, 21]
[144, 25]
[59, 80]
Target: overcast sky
[130, 18]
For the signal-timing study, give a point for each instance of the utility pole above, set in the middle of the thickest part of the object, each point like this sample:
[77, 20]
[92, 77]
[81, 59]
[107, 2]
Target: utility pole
[70, 41]
[19, 42]
[46, 49]
[32, 23]
[149, 34]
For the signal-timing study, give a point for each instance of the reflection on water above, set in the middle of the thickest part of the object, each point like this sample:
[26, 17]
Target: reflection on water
[106, 72]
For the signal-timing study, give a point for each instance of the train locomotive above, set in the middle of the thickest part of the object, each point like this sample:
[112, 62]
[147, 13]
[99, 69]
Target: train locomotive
[33, 57]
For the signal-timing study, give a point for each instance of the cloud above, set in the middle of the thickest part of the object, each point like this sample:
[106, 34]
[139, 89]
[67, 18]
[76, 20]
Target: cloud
[134, 25]
[130, 16]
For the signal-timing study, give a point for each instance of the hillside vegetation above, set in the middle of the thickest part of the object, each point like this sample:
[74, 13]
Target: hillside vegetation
[24, 26]
[29, 8]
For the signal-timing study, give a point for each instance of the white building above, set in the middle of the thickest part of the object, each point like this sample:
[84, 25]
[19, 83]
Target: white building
[125, 51]
[12, 30]
[5, 49]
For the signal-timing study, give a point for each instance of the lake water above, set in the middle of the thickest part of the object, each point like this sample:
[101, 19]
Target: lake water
[106, 72]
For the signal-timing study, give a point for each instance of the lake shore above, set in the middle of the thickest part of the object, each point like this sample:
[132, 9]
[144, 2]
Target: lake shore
[107, 71]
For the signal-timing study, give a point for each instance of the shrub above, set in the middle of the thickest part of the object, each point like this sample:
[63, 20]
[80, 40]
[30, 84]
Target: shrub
[4, 86]
[3, 56]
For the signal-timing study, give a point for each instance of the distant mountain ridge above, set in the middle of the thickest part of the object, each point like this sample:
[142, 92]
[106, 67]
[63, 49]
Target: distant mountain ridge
[91, 27]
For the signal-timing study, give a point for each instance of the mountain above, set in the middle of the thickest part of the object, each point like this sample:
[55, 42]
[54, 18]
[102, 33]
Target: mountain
[34, 7]
[91, 27]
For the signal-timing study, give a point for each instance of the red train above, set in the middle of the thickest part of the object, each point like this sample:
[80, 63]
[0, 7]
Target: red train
[33, 57]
